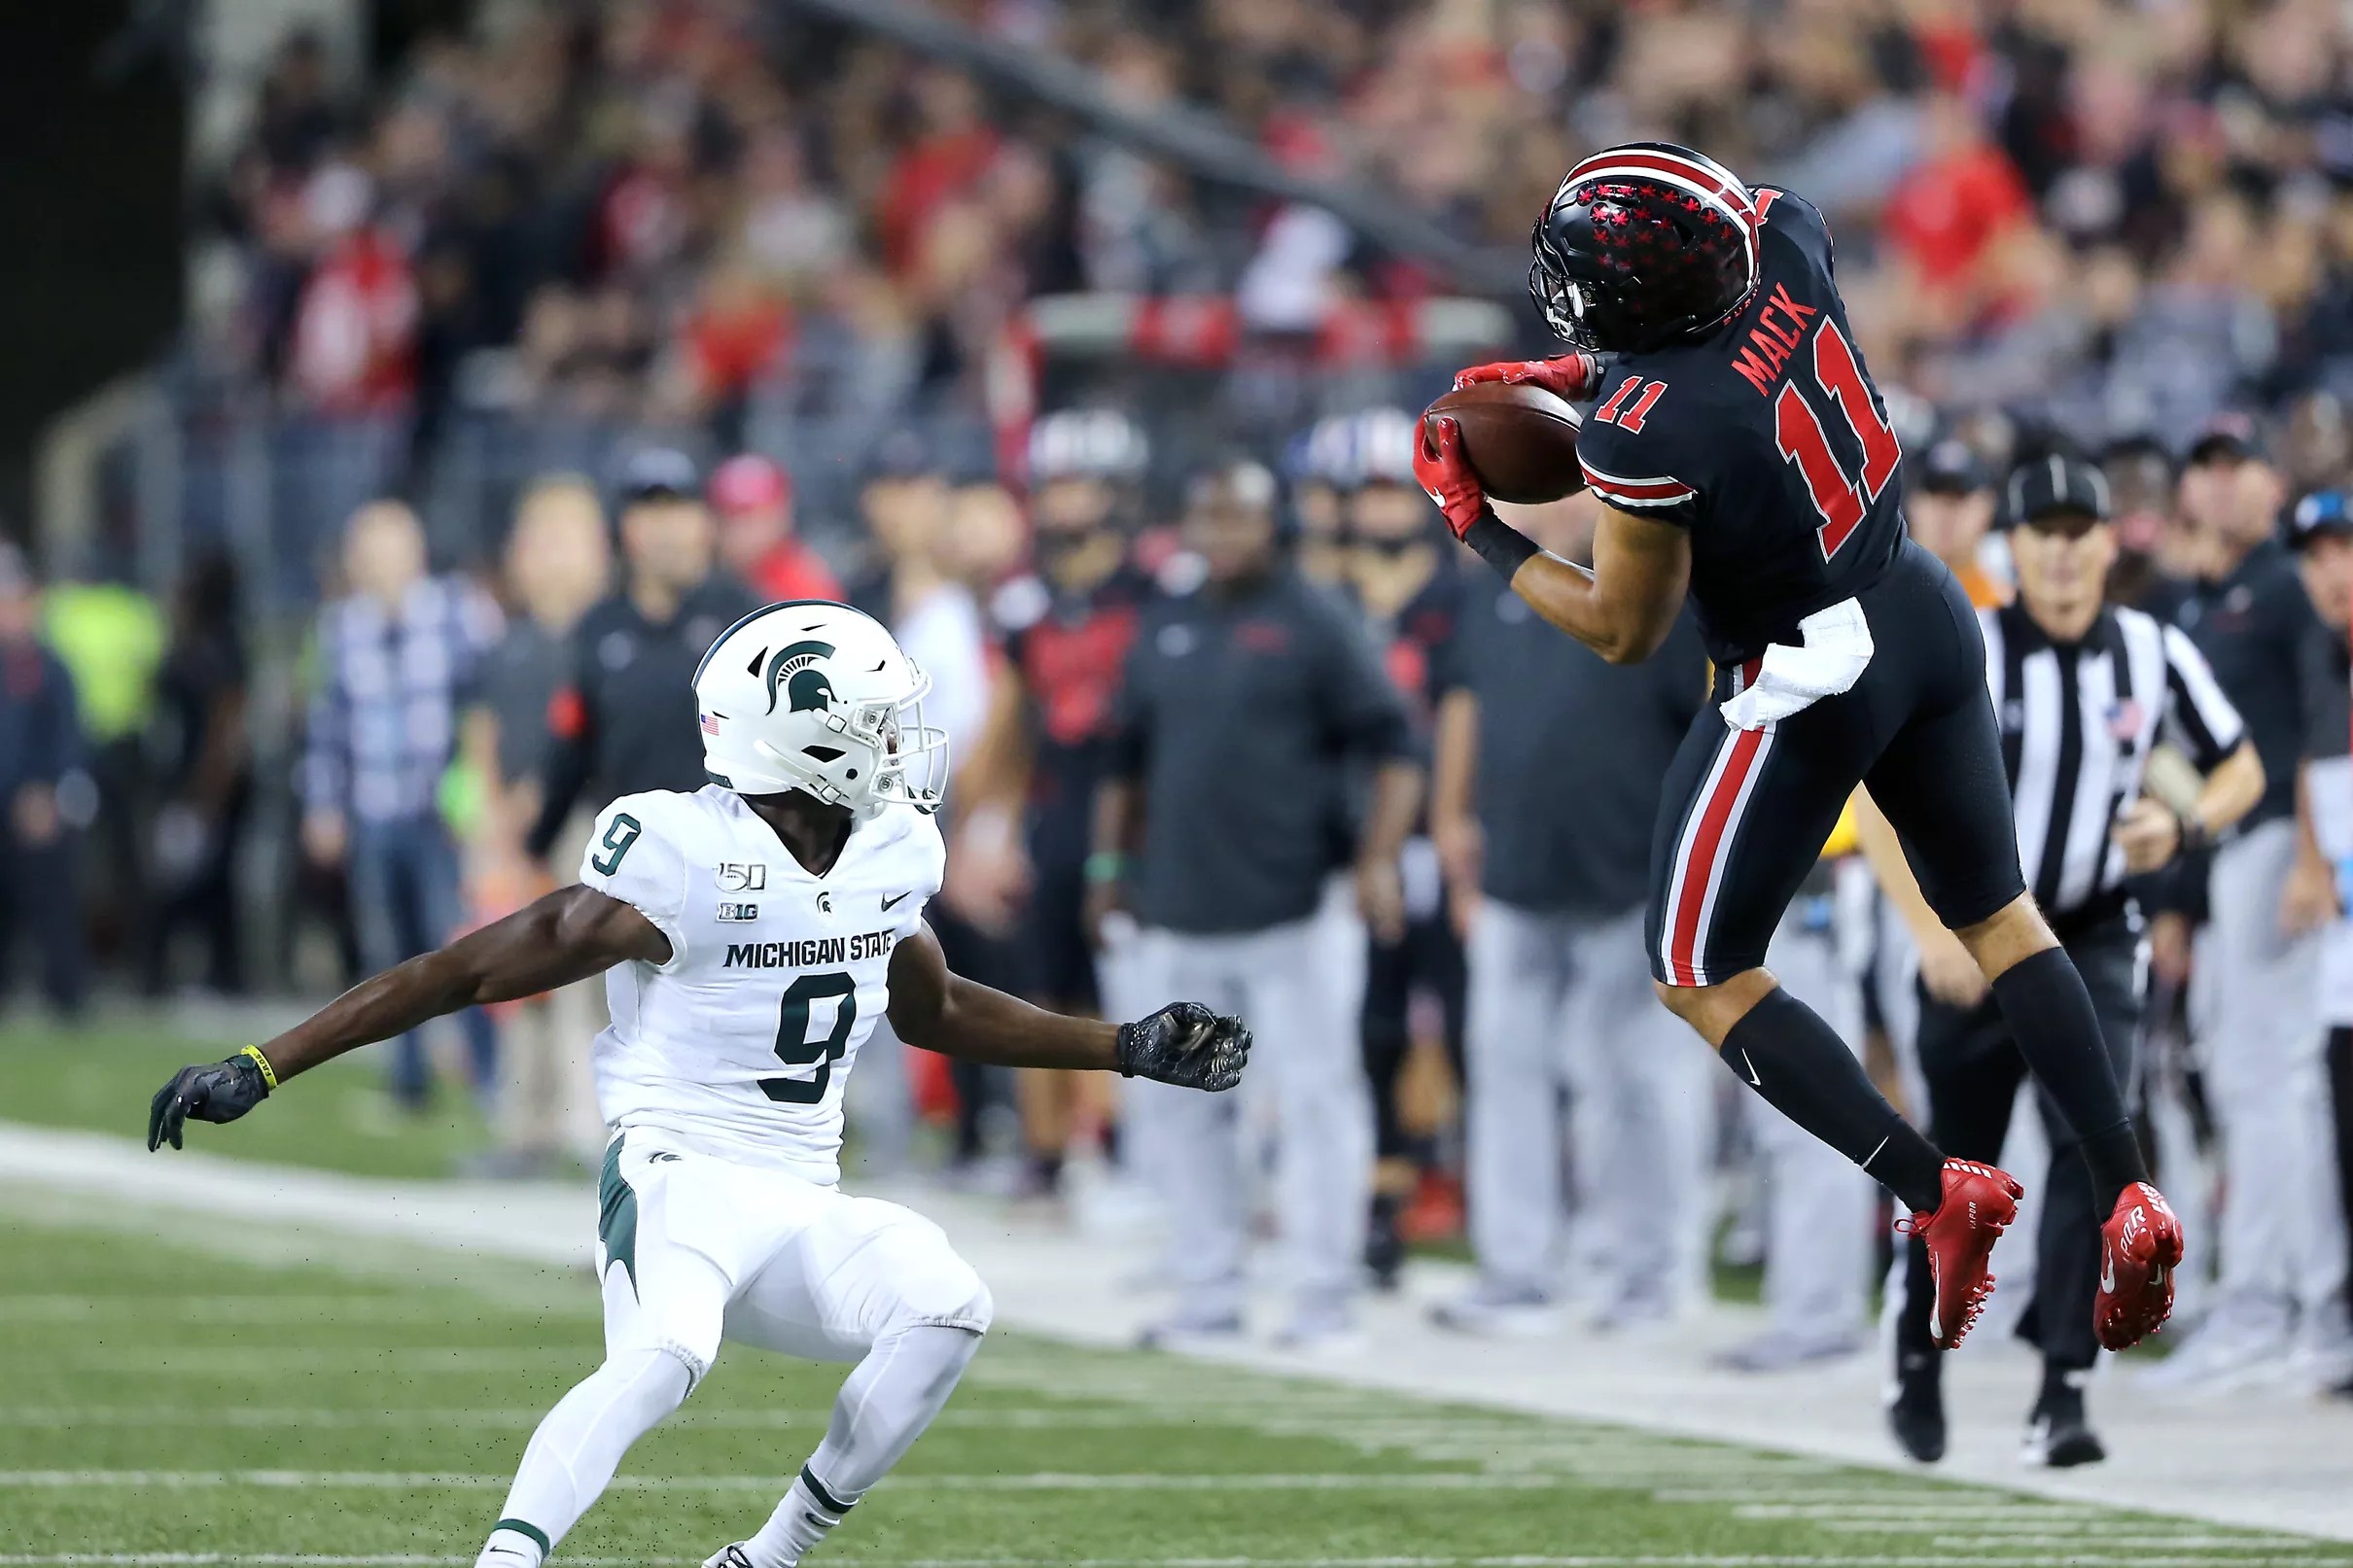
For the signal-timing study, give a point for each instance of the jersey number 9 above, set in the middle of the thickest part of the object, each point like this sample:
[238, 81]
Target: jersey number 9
[617, 837]
[795, 1048]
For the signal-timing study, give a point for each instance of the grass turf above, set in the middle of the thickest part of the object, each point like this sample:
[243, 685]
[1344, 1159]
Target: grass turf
[101, 1079]
[163, 1399]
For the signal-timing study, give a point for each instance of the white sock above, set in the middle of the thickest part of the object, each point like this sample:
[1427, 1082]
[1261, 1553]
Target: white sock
[572, 1456]
[807, 1515]
[512, 1547]
[889, 1400]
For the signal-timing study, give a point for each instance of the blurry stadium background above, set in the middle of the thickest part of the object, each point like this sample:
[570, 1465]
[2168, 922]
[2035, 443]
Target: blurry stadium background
[278, 260]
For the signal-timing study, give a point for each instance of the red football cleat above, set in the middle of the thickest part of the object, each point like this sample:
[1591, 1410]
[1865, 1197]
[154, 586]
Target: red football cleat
[1979, 1204]
[2140, 1247]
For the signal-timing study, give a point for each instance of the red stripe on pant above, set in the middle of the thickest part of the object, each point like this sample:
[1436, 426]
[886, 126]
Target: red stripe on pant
[1708, 846]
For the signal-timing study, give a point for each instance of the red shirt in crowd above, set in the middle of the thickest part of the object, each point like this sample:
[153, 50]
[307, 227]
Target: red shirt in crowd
[1946, 213]
[791, 569]
[354, 348]
[927, 176]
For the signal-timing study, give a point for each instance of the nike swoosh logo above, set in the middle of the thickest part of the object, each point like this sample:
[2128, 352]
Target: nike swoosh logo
[896, 898]
[2108, 1273]
[1752, 1071]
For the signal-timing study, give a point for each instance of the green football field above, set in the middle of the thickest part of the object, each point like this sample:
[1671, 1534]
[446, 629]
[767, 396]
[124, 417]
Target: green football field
[100, 1080]
[172, 1403]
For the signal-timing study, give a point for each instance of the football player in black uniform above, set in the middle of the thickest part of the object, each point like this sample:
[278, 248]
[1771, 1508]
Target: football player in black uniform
[1743, 455]
[1410, 593]
[1028, 788]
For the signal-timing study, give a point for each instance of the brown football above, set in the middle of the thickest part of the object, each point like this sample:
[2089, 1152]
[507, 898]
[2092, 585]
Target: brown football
[1522, 441]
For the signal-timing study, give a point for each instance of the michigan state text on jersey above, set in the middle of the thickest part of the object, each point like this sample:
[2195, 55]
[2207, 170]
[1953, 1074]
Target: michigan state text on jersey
[1744, 459]
[751, 933]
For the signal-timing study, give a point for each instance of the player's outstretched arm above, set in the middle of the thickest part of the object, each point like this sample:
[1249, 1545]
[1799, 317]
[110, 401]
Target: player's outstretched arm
[1184, 1044]
[568, 935]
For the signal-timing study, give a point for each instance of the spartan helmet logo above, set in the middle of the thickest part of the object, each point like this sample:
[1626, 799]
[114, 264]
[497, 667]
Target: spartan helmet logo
[793, 672]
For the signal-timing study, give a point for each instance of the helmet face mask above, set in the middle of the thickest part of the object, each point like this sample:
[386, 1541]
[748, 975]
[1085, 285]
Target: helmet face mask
[815, 696]
[1561, 299]
[1643, 245]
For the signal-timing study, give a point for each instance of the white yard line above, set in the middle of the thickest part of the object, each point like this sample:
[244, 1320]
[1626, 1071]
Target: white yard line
[2261, 1461]
[359, 1307]
[297, 1559]
[774, 1484]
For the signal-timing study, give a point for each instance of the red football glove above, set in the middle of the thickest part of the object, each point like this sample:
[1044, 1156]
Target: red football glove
[1441, 469]
[1570, 377]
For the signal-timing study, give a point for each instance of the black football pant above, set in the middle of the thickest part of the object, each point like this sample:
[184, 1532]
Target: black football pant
[1743, 813]
[986, 960]
[1431, 956]
[1973, 1070]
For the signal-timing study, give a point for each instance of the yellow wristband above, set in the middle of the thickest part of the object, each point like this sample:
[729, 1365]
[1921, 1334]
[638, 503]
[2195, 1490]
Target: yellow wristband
[269, 1075]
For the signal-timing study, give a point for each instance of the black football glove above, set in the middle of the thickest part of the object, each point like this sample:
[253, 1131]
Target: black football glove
[217, 1092]
[1187, 1045]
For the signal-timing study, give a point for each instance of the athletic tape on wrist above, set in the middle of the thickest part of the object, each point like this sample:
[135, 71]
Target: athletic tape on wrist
[1500, 545]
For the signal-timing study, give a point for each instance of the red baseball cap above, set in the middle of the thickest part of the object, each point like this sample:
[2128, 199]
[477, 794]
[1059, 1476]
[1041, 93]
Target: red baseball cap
[750, 482]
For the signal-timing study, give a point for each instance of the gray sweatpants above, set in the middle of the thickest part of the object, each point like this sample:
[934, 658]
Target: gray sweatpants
[1819, 1204]
[1299, 990]
[2262, 1043]
[1565, 1002]
[546, 1101]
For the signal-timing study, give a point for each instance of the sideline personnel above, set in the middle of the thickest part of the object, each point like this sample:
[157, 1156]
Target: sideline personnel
[1241, 711]
[1545, 839]
[2256, 1016]
[2085, 692]
[625, 722]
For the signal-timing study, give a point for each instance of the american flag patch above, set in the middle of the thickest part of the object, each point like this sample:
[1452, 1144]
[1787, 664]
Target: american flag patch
[710, 723]
[2124, 720]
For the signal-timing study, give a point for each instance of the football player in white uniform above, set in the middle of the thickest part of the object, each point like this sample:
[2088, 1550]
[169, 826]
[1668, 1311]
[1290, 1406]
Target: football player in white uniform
[751, 934]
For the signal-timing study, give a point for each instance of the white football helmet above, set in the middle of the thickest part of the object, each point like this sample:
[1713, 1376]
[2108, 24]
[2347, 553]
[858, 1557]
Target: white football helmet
[816, 696]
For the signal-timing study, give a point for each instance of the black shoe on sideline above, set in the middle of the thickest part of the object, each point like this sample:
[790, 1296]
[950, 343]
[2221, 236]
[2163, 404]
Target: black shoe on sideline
[1384, 1246]
[2059, 1436]
[1915, 1407]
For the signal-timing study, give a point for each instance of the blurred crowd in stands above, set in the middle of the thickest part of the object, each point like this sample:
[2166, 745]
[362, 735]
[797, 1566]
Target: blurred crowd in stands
[688, 225]
[2116, 219]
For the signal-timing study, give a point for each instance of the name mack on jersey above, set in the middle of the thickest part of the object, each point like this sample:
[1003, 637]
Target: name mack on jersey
[809, 951]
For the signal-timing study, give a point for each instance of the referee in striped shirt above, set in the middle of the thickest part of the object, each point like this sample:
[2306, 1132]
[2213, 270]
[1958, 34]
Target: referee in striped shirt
[2085, 694]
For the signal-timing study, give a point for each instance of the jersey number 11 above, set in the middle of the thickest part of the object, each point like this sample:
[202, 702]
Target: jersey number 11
[1798, 431]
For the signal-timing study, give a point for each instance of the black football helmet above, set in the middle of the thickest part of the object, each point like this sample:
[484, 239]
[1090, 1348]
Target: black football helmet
[1643, 244]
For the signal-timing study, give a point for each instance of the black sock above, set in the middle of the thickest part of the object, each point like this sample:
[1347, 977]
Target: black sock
[2051, 1019]
[1783, 1050]
[1914, 1345]
[2062, 1391]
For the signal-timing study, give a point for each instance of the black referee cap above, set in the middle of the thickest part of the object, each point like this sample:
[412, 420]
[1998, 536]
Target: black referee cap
[2056, 483]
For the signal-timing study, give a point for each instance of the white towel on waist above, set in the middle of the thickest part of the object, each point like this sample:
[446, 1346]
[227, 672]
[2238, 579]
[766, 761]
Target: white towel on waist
[1790, 680]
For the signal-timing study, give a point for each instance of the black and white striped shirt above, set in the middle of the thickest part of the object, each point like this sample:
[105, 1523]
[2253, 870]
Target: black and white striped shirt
[2078, 724]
